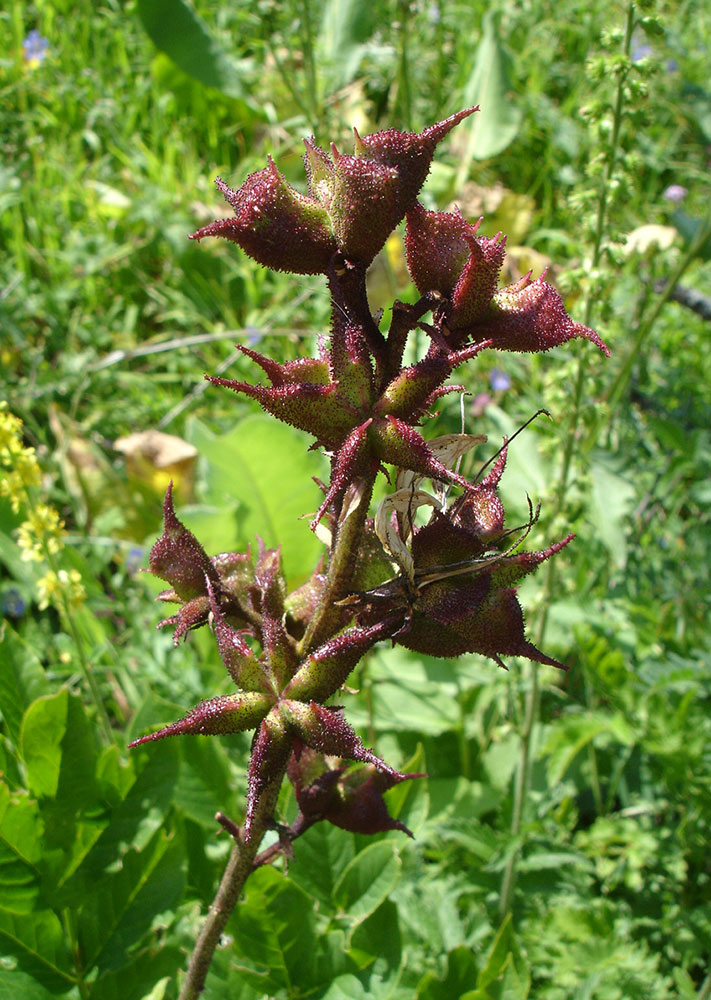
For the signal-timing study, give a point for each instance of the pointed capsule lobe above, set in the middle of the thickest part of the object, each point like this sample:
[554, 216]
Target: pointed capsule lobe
[275, 224]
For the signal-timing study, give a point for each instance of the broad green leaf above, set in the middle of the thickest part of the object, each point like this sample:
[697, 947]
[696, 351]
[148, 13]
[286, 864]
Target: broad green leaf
[684, 984]
[43, 729]
[347, 988]
[368, 880]
[121, 907]
[76, 788]
[497, 955]
[20, 850]
[690, 230]
[177, 30]
[346, 26]
[429, 913]
[37, 942]
[75, 814]
[22, 679]
[133, 822]
[497, 122]
[459, 977]
[459, 798]
[610, 501]
[10, 765]
[410, 801]
[378, 937]
[145, 978]
[15, 985]
[204, 784]
[571, 734]
[275, 937]
[265, 466]
[505, 974]
[320, 857]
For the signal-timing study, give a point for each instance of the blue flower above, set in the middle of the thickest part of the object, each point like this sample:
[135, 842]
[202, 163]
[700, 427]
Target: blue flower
[13, 603]
[135, 559]
[34, 48]
[641, 51]
[675, 193]
[499, 381]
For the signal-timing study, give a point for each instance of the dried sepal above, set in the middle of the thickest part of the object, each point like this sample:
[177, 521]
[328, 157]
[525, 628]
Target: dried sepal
[324, 729]
[243, 666]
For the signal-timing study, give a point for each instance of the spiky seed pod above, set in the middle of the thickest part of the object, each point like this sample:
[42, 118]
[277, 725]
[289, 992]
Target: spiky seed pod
[275, 224]
[351, 798]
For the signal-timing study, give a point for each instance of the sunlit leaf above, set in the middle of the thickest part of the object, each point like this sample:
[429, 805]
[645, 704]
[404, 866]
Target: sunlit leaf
[368, 880]
[490, 131]
[22, 679]
[180, 32]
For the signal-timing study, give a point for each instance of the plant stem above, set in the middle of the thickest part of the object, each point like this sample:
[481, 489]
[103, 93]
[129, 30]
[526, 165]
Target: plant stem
[522, 785]
[520, 790]
[340, 568]
[239, 867]
[76, 636]
[403, 68]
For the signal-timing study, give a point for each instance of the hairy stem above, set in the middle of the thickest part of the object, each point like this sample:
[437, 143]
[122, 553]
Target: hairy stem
[239, 867]
[328, 617]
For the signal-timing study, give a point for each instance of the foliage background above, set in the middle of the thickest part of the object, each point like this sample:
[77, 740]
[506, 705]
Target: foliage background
[110, 141]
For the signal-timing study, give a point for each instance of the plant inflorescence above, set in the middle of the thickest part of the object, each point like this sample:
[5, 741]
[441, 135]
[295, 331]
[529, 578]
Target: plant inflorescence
[444, 583]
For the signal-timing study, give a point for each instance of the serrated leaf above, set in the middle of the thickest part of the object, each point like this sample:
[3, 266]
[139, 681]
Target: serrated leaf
[121, 907]
[204, 785]
[491, 130]
[20, 850]
[321, 856]
[183, 36]
[43, 728]
[368, 880]
[37, 942]
[275, 937]
[133, 822]
[22, 680]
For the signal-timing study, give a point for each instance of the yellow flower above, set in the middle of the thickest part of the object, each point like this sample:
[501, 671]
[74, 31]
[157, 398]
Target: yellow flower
[22, 470]
[53, 587]
[10, 430]
[40, 533]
